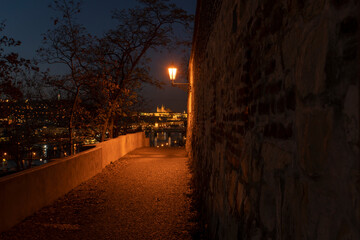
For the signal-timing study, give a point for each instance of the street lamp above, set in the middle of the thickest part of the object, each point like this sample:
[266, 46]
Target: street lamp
[172, 75]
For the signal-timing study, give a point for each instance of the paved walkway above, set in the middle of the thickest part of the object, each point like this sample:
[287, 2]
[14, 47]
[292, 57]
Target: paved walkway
[141, 196]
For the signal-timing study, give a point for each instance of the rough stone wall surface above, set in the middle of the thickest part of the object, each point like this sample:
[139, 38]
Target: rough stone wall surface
[274, 118]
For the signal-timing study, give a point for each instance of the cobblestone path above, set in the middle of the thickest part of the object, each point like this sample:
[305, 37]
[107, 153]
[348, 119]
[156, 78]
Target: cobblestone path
[143, 195]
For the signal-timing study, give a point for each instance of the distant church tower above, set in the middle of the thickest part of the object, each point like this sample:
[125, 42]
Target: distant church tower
[162, 109]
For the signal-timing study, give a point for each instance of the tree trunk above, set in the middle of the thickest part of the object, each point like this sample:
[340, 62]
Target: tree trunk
[111, 128]
[106, 123]
[103, 132]
[30, 163]
[71, 139]
[71, 121]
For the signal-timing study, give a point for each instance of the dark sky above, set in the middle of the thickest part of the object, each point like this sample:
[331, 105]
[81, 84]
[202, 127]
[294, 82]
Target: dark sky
[26, 20]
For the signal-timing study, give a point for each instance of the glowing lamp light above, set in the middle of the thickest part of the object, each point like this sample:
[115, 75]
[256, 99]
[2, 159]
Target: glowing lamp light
[172, 73]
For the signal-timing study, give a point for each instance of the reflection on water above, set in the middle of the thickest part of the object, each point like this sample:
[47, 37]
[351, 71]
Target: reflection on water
[167, 138]
[37, 155]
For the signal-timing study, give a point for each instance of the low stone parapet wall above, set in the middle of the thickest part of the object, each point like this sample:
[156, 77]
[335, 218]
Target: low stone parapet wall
[24, 193]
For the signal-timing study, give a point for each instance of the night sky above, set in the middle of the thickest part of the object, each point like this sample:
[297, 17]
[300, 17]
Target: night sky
[26, 20]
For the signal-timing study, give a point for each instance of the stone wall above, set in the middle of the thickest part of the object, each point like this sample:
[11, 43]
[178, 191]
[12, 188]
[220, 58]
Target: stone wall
[274, 118]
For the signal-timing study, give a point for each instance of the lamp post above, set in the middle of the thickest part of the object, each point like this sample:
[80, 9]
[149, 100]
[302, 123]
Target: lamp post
[172, 74]
[4, 162]
[33, 154]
